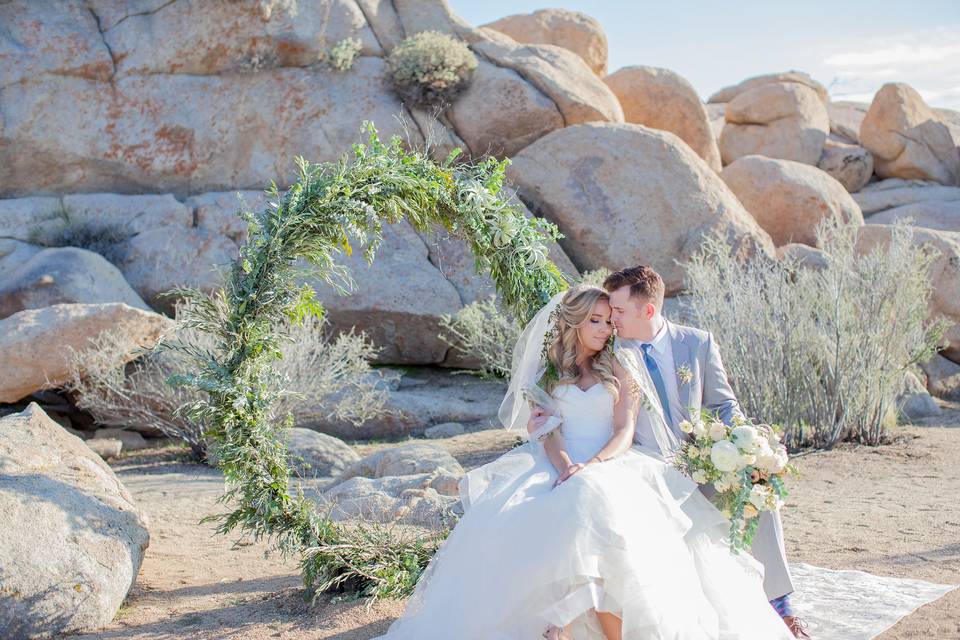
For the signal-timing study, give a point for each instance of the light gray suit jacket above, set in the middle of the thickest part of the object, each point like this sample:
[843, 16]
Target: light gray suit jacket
[709, 388]
[693, 349]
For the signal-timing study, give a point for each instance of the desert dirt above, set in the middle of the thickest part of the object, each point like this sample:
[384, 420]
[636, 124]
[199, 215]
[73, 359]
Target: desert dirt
[892, 510]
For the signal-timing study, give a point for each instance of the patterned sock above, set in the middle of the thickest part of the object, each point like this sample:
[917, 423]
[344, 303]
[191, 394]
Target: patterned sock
[782, 606]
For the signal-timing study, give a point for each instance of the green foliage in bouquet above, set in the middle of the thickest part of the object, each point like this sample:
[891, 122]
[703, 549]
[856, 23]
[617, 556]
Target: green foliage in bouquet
[431, 68]
[746, 464]
[329, 209]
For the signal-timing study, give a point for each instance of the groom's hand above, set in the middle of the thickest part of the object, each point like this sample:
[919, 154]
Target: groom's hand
[569, 473]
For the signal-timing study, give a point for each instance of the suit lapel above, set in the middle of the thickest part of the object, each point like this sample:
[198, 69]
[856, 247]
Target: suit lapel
[681, 361]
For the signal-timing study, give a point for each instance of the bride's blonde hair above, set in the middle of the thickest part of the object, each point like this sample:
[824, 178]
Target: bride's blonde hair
[574, 312]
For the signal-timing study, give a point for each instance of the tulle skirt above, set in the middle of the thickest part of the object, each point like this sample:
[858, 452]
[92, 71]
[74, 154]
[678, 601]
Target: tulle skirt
[630, 535]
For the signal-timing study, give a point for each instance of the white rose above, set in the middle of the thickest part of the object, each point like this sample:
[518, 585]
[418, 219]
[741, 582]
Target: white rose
[767, 462]
[718, 431]
[781, 462]
[758, 496]
[686, 426]
[745, 437]
[724, 455]
[699, 429]
[699, 477]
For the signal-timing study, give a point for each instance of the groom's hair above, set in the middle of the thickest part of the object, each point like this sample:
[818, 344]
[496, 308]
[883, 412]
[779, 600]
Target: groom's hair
[643, 281]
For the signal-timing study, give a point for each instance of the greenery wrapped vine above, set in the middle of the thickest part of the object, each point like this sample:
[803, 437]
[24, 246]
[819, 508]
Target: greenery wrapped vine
[328, 210]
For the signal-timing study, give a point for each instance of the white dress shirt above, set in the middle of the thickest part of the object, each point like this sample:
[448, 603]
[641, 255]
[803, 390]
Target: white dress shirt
[662, 352]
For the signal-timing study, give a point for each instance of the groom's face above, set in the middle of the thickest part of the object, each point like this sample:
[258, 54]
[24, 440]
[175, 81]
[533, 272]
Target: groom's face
[633, 316]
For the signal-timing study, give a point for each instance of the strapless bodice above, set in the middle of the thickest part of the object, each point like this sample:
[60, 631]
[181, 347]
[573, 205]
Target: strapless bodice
[587, 419]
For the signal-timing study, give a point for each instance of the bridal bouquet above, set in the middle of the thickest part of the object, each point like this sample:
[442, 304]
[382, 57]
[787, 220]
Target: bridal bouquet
[746, 463]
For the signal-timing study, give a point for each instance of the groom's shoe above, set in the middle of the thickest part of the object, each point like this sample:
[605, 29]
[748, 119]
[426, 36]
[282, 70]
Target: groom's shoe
[797, 626]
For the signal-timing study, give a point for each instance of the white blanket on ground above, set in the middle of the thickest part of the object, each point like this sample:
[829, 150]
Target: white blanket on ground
[853, 605]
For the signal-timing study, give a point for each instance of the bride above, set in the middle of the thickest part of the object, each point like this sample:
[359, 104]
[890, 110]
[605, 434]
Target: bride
[582, 535]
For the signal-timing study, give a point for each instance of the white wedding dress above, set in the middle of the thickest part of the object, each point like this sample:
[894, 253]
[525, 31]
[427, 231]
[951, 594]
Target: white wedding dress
[630, 535]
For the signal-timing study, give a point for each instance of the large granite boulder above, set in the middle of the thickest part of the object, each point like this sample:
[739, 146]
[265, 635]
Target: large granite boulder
[789, 199]
[398, 300]
[944, 273]
[423, 499]
[623, 194]
[779, 120]
[943, 377]
[789, 77]
[415, 483]
[216, 212]
[454, 259]
[894, 192]
[171, 132]
[914, 401]
[933, 214]
[564, 77]
[96, 221]
[14, 253]
[908, 139]
[849, 164]
[846, 118]
[36, 342]
[317, 454]
[164, 258]
[403, 460]
[423, 398]
[571, 30]
[500, 112]
[64, 275]
[73, 538]
[210, 38]
[661, 99]
[37, 41]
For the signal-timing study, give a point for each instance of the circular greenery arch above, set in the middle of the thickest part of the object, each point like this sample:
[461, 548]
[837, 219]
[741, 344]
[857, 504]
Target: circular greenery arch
[329, 208]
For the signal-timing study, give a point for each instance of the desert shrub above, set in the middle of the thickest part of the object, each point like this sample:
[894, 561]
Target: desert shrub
[331, 377]
[820, 352]
[431, 68]
[343, 54]
[481, 331]
[93, 236]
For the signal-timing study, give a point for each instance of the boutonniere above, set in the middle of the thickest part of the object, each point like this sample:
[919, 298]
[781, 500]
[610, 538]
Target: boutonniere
[684, 375]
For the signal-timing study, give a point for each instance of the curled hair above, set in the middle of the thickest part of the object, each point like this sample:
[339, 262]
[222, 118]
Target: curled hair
[574, 312]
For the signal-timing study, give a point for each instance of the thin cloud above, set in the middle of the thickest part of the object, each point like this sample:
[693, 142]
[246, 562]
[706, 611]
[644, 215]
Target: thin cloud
[929, 61]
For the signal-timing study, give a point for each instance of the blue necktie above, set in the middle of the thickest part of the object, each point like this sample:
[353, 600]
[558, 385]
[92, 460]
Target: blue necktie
[657, 378]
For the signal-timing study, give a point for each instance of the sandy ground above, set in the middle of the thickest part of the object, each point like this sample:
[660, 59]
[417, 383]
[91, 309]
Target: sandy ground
[893, 510]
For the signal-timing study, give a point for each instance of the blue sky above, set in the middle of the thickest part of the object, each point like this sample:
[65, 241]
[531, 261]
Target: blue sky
[851, 46]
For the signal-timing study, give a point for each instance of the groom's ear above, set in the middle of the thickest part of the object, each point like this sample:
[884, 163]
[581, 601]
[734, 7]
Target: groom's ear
[650, 310]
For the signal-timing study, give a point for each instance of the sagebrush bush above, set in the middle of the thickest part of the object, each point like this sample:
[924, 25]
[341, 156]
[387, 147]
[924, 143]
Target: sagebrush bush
[431, 68]
[331, 377]
[98, 237]
[343, 54]
[481, 331]
[820, 352]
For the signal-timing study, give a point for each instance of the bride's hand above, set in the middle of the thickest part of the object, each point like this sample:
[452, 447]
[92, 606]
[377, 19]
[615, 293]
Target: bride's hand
[568, 473]
[538, 417]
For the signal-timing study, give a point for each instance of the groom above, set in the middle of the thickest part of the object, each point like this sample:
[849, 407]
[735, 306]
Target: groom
[684, 364]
